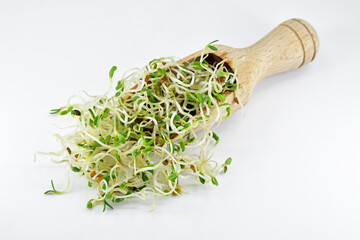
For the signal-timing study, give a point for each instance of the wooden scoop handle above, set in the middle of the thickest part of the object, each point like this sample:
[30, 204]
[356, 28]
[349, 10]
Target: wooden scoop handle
[291, 45]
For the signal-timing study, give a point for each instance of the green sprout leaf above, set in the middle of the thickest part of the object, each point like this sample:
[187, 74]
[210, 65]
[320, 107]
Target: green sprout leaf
[148, 149]
[137, 153]
[121, 138]
[222, 74]
[117, 156]
[118, 200]
[173, 176]
[109, 195]
[162, 71]
[148, 91]
[54, 111]
[182, 145]
[114, 175]
[152, 75]
[201, 97]
[89, 204]
[134, 135]
[122, 185]
[119, 85]
[197, 66]
[228, 110]
[97, 121]
[209, 101]
[154, 61]
[158, 118]
[233, 88]
[116, 141]
[153, 99]
[106, 113]
[177, 118]
[224, 104]
[202, 180]
[144, 177]
[215, 137]
[92, 113]
[108, 138]
[107, 178]
[228, 161]
[182, 166]
[111, 73]
[75, 169]
[220, 97]
[106, 204]
[64, 112]
[214, 181]
[191, 97]
[211, 46]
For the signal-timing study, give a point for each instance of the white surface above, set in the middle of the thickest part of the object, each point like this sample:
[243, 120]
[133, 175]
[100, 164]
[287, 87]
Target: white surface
[296, 164]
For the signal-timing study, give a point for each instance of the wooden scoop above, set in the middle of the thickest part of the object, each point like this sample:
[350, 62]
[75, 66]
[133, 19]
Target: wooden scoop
[290, 45]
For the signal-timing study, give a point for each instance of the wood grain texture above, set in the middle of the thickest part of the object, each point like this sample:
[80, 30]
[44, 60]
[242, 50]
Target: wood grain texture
[290, 45]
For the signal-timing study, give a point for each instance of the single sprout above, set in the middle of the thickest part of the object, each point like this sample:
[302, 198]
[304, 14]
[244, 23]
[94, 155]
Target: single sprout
[106, 204]
[227, 163]
[143, 138]
[211, 46]
[53, 189]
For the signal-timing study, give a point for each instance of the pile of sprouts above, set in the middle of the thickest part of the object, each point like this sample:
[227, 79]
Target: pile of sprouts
[145, 139]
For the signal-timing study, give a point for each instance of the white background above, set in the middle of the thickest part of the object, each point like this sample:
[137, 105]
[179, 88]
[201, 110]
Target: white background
[296, 164]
